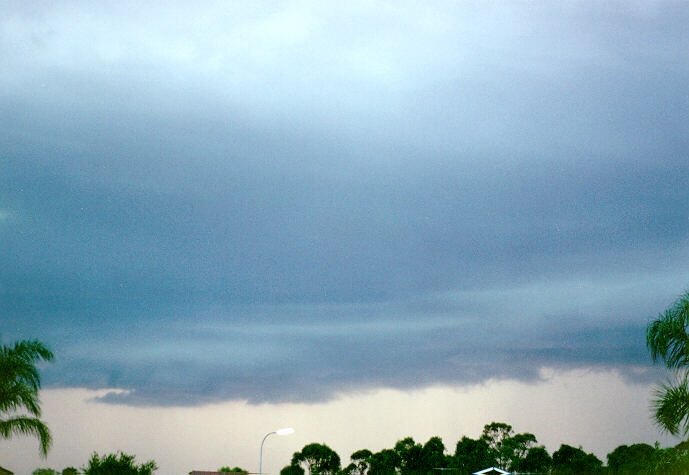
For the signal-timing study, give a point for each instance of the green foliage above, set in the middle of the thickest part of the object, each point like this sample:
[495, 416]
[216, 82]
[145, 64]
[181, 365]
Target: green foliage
[45, 471]
[70, 471]
[506, 449]
[350, 469]
[292, 470]
[232, 470]
[19, 385]
[361, 459]
[537, 460]
[409, 453]
[667, 339]
[384, 462]
[120, 463]
[518, 451]
[568, 459]
[671, 460]
[433, 455]
[637, 458]
[514, 449]
[318, 458]
[495, 435]
[472, 455]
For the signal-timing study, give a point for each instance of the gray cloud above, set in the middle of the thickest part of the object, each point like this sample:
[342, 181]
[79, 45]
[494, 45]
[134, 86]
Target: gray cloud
[216, 203]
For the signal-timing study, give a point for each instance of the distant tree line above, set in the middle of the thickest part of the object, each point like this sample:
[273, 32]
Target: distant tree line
[498, 446]
[118, 464]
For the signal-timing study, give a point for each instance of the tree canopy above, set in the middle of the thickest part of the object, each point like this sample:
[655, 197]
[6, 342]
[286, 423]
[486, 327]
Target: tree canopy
[227, 469]
[317, 459]
[498, 445]
[119, 463]
[568, 459]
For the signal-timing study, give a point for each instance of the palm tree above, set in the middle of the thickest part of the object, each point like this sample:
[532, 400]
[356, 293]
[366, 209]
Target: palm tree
[667, 339]
[19, 384]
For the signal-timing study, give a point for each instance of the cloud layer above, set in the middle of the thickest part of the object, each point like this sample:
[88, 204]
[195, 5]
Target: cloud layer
[294, 201]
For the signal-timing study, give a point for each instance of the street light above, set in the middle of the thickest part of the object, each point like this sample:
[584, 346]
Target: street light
[285, 431]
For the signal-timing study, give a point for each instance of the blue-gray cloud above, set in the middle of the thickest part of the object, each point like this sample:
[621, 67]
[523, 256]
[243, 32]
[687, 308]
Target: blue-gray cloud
[288, 203]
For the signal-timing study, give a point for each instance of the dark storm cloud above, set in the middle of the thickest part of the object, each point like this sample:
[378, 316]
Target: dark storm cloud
[220, 203]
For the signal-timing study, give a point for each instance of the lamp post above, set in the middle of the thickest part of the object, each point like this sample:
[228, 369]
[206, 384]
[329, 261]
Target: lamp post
[286, 431]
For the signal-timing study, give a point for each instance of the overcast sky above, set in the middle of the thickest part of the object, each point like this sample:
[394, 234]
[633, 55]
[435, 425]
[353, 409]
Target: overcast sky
[288, 201]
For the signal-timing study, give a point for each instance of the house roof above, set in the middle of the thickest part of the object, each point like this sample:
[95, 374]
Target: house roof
[4, 471]
[491, 471]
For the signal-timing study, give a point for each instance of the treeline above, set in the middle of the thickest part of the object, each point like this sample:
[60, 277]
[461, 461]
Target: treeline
[110, 464]
[498, 446]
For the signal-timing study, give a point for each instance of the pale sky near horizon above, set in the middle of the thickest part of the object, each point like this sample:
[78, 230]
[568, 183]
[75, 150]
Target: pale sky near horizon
[291, 202]
[596, 410]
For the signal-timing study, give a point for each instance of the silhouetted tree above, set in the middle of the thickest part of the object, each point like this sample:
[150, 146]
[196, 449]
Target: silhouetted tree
[409, 453]
[514, 449]
[537, 460]
[472, 455]
[568, 459]
[495, 434]
[433, 455]
[318, 459]
[232, 470]
[384, 462]
[292, 470]
[361, 460]
[120, 463]
[636, 458]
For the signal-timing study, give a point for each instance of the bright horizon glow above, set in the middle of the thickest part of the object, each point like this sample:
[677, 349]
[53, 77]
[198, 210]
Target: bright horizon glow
[285, 431]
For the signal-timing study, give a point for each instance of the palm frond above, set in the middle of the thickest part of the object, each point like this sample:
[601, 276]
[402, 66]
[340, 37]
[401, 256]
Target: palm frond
[19, 396]
[671, 406]
[27, 426]
[667, 337]
[19, 385]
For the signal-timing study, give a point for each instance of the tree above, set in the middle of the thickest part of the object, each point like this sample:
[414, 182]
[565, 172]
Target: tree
[667, 339]
[568, 459]
[232, 470]
[70, 471]
[349, 470]
[636, 458]
[19, 385]
[495, 434]
[120, 463]
[537, 460]
[514, 449]
[409, 453]
[433, 455]
[292, 470]
[472, 455]
[384, 462]
[361, 460]
[673, 459]
[318, 459]
[45, 471]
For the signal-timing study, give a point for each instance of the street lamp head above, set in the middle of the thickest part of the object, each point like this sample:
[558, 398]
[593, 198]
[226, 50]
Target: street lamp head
[285, 431]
